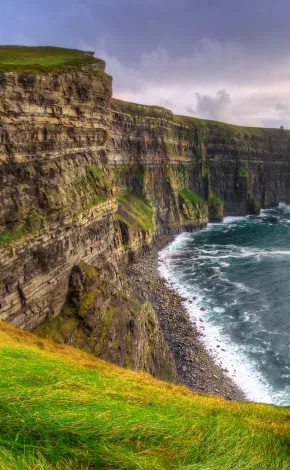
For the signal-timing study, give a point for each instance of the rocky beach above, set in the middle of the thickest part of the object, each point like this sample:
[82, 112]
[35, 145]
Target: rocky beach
[196, 369]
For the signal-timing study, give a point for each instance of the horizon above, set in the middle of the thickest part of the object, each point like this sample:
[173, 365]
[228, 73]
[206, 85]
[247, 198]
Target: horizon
[227, 63]
[92, 53]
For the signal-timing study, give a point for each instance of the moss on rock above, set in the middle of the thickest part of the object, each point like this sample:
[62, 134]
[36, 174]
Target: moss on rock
[216, 207]
[253, 205]
[193, 207]
[7, 235]
[130, 178]
[243, 173]
[190, 196]
[136, 211]
[87, 303]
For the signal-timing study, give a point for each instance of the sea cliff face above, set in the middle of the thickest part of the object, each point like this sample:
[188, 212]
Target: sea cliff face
[89, 182]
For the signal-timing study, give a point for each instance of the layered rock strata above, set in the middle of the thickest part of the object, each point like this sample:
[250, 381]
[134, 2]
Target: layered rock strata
[86, 180]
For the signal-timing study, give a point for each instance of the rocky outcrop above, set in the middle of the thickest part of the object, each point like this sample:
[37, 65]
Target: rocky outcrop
[54, 196]
[86, 180]
[116, 324]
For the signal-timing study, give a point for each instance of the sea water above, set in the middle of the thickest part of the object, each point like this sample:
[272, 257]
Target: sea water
[236, 277]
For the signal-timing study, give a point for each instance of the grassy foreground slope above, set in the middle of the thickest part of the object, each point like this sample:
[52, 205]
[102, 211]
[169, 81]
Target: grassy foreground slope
[63, 409]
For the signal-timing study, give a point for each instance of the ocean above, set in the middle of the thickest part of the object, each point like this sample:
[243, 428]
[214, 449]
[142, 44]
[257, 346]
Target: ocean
[236, 277]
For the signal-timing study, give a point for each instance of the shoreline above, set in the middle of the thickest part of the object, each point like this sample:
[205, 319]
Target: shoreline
[196, 368]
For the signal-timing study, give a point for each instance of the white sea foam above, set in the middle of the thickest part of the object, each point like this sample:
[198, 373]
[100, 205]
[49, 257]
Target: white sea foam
[250, 317]
[228, 355]
[241, 286]
[219, 309]
[231, 219]
[233, 251]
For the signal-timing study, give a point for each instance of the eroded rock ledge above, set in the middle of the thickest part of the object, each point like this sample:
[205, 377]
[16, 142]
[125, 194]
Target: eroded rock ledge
[88, 183]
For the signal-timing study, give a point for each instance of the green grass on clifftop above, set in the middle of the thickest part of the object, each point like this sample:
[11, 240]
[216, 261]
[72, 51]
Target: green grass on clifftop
[226, 130]
[134, 109]
[202, 127]
[64, 409]
[26, 59]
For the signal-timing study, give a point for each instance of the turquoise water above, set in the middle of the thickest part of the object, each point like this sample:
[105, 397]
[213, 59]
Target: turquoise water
[236, 276]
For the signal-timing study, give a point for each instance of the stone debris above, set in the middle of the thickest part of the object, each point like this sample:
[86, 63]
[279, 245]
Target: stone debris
[196, 369]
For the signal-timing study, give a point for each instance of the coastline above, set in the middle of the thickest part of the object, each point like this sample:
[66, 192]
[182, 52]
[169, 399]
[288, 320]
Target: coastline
[196, 368]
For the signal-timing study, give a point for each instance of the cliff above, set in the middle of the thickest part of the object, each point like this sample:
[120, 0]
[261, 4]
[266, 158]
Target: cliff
[89, 181]
[244, 168]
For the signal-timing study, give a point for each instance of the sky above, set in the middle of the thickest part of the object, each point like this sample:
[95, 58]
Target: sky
[214, 59]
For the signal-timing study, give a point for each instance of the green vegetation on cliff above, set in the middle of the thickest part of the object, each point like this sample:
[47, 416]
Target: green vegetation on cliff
[7, 235]
[228, 131]
[254, 205]
[216, 206]
[134, 109]
[130, 178]
[200, 128]
[21, 226]
[243, 173]
[135, 210]
[92, 187]
[189, 196]
[35, 59]
[194, 208]
[214, 200]
[115, 324]
[64, 409]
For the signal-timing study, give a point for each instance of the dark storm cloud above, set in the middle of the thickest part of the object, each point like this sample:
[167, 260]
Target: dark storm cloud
[221, 59]
[132, 27]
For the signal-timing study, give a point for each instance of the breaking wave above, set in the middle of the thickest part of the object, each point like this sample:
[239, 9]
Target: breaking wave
[236, 277]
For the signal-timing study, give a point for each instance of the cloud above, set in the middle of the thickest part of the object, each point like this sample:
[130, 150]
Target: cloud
[229, 80]
[218, 108]
[191, 111]
[257, 91]
[180, 54]
[282, 108]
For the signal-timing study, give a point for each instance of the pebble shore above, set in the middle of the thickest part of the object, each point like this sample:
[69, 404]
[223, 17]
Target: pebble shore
[196, 369]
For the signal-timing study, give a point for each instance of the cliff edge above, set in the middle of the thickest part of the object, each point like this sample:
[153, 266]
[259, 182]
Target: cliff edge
[88, 183]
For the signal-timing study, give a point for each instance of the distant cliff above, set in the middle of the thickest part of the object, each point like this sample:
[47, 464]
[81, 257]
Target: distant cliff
[86, 180]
